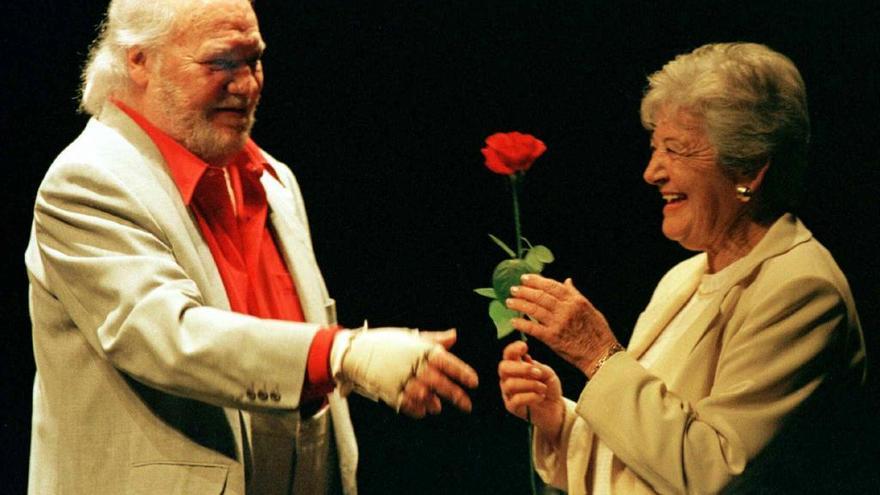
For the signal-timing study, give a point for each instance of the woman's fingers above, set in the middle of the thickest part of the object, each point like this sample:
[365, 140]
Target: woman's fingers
[539, 297]
[521, 384]
[552, 287]
[529, 327]
[518, 394]
[513, 386]
[535, 310]
[510, 368]
[514, 403]
[515, 351]
[522, 380]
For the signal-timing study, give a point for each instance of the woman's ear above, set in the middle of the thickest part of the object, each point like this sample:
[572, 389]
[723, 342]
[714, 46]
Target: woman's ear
[756, 182]
[746, 187]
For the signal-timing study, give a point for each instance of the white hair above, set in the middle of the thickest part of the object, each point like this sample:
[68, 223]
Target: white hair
[753, 103]
[128, 23]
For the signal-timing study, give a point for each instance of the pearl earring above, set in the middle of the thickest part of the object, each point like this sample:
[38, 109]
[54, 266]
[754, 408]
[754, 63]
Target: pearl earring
[744, 193]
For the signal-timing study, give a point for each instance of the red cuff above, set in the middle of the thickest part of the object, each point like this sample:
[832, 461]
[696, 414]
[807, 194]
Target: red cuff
[319, 379]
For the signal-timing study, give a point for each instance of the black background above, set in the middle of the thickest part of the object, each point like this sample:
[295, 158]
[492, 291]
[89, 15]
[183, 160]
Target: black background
[381, 108]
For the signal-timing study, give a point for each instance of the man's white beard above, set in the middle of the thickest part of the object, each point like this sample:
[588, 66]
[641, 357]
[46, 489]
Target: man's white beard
[196, 133]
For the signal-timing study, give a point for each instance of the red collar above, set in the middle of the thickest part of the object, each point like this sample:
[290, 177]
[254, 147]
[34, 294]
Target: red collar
[185, 167]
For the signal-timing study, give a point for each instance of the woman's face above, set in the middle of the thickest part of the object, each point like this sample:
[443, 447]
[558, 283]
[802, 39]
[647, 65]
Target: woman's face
[701, 210]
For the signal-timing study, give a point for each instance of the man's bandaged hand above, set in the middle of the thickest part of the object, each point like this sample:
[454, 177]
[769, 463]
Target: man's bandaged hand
[377, 363]
[408, 370]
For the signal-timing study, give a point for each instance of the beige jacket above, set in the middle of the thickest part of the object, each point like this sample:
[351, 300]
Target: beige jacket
[142, 370]
[785, 322]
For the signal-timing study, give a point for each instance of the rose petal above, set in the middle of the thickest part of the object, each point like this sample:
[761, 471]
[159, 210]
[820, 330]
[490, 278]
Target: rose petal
[512, 151]
[495, 163]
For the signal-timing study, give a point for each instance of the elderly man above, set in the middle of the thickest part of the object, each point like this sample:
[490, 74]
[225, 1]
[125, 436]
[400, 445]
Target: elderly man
[184, 340]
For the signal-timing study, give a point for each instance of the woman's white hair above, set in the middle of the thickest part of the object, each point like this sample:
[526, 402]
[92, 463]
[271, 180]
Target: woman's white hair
[753, 103]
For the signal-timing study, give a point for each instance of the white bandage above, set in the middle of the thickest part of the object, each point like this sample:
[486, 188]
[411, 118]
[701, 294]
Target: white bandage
[378, 363]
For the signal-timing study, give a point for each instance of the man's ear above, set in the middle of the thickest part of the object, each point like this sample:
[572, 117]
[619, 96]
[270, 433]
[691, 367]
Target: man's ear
[136, 61]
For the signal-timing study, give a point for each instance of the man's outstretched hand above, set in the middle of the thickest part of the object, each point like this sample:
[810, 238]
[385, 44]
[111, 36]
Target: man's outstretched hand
[439, 378]
[409, 370]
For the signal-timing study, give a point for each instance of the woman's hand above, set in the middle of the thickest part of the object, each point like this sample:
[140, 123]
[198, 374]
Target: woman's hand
[562, 318]
[526, 383]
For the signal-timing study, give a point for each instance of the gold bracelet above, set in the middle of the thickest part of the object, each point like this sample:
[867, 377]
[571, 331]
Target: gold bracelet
[614, 349]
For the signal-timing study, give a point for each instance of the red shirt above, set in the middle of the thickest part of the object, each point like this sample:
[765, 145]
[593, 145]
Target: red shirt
[230, 207]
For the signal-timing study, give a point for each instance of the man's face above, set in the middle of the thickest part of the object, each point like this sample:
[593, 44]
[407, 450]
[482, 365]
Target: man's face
[205, 83]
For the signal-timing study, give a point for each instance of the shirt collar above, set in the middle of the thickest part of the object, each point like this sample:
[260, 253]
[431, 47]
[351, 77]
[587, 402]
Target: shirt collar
[185, 167]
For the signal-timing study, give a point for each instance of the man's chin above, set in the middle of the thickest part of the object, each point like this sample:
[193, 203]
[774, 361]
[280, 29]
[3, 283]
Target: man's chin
[222, 148]
[233, 136]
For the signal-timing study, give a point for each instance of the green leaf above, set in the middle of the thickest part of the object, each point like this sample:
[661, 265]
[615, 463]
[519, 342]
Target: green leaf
[542, 253]
[501, 316]
[537, 257]
[503, 246]
[535, 266]
[506, 275]
[486, 292]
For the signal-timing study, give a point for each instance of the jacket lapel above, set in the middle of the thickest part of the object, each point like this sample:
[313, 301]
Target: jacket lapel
[182, 230]
[295, 245]
[786, 233]
[295, 248]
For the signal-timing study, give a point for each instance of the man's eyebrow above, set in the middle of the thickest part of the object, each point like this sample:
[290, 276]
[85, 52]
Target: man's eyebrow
[227, 46]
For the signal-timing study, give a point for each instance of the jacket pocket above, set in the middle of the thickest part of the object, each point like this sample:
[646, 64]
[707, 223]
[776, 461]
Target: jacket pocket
[177, 478]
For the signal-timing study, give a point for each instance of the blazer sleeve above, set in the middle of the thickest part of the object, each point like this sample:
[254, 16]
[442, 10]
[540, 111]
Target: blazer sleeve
[776, 350]
[104, 256]
[564, 464]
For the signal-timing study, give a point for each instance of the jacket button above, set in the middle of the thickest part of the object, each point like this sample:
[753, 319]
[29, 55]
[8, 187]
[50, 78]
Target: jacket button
[262, 395]
[275, 396]
[251, 395]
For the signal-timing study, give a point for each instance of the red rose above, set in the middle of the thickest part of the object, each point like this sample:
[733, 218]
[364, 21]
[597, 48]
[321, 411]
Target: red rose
[510, 152]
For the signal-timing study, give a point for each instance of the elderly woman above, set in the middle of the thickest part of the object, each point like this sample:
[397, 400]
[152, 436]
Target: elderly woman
[735, 338]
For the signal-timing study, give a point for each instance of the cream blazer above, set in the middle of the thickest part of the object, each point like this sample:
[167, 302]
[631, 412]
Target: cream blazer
[142, 370]
[785, 323]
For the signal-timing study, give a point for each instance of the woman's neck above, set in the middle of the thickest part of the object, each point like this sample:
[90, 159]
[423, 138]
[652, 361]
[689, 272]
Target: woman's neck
[739, 242]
